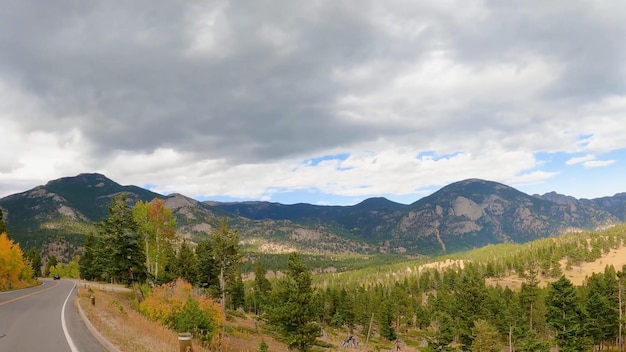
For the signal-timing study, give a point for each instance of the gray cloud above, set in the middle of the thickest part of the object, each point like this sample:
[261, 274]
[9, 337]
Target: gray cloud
[262, 81]
[121, 74]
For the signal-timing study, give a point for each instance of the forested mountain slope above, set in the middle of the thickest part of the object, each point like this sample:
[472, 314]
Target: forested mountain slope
[462, 215]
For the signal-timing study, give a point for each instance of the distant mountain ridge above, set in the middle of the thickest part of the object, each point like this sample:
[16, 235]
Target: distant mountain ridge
[463, 215]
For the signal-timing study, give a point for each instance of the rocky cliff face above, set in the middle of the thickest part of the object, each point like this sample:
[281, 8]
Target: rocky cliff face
[473, 213]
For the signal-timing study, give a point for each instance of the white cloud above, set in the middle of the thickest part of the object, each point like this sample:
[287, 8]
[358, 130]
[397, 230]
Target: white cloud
[581, 159]
[598, 163]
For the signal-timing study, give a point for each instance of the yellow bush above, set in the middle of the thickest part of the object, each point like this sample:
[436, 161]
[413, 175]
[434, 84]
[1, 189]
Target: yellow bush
[176, 305]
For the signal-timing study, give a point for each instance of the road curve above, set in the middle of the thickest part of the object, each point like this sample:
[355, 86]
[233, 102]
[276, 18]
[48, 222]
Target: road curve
[44, 318]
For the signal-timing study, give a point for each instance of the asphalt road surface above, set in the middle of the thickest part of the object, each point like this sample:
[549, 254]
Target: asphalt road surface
[45, 319]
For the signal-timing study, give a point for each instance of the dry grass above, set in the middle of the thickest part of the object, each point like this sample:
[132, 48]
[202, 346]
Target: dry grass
[577, 274]
[130, 331]
[124, 327]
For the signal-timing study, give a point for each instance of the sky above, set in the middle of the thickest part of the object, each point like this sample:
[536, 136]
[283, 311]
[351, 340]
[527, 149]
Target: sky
[321, 101]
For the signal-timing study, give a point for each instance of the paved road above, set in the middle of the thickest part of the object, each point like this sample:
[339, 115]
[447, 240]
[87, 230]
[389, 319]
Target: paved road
[44, 318]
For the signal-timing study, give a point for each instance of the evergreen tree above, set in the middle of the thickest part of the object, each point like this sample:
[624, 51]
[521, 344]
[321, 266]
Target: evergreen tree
[124, 260]
[531, 342]
[565, 316]
[88, 271]
[529, 294]
[442, 334]
[186, 264]
[485, 337]
[346, 308]
[611, 318]
[291, 313]
[226, 255]
[236, 291]
[598, 309]
[385, 318]
[470, 304]
[52, 261]
[3, 226]
[262, 288]
[35, 260]
[208, 269]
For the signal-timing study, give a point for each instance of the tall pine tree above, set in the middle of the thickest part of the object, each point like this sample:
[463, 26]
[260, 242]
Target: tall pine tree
[125, 258]
[291, 313]
[565, 316]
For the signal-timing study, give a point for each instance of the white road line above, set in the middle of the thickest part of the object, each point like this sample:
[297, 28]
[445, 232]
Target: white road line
[67, 335]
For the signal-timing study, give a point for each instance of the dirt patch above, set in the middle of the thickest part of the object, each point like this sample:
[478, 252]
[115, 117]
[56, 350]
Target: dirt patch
[578, 273]
[443, 264]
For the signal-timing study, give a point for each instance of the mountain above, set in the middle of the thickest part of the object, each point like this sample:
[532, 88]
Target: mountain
[57, 215]
[463, 215]
[64, 207]
[303, 212]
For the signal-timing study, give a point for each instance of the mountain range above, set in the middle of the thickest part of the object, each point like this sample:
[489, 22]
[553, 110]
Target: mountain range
[463, 215]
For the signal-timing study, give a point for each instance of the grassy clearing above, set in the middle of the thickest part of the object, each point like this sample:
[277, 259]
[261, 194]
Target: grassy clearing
[577, 274]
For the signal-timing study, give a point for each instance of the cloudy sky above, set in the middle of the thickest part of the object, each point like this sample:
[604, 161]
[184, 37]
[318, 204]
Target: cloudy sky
[325, 102]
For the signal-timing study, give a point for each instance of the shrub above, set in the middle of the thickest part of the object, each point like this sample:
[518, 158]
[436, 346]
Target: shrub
[177, 306]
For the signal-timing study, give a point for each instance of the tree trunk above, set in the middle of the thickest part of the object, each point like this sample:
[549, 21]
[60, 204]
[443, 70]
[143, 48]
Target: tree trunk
[223, 291]
[531, 315]
[620, 341]
[156, 256]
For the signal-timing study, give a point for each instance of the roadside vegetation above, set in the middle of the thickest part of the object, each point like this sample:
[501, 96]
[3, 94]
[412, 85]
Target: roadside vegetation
[15, 270]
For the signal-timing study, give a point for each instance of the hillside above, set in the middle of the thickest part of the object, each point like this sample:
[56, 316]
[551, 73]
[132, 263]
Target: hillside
[463, 215]
[57, 215]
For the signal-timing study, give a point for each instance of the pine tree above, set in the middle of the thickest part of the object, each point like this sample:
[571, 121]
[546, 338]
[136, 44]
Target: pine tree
[3, 226]
[565, 316]
[598, 309]
[186, 264]
[226, 253]
[124, 258]
[385, 318]
[208, 269]
[51, 262]
[88, 271]
[35, 260]
[291, 313]
[262, 288]
[485, 337]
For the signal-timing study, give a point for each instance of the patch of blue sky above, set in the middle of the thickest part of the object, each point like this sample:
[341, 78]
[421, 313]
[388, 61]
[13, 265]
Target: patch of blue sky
[316, 197]
[581, 175]
[432, 155]
[149, 186]
[554, 162]
[318, 160]
[584, 139]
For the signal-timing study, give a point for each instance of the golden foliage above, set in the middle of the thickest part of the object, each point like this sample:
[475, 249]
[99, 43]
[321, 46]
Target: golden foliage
[169, 303]
[15, 271]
